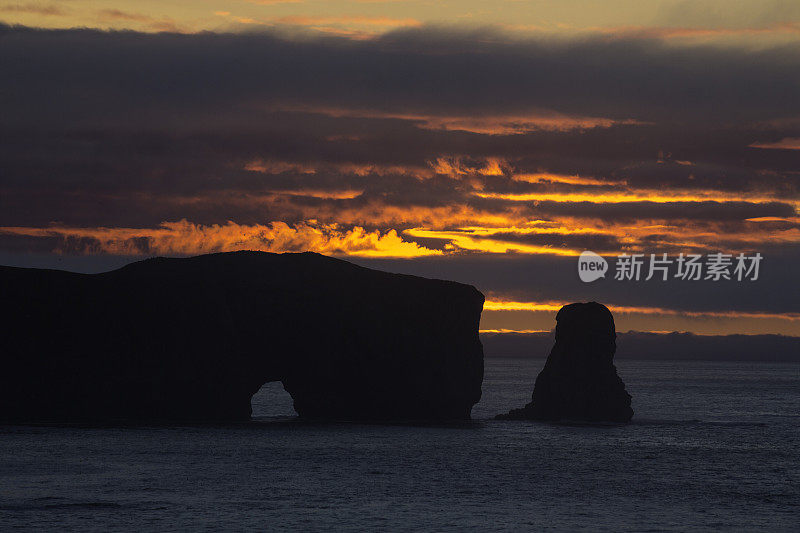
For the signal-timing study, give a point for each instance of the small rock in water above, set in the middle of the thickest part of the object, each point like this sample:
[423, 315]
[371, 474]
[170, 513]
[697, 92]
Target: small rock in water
[579, 380]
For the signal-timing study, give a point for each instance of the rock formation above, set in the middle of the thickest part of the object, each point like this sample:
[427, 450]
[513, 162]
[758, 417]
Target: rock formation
[194, 338]
[579, 380]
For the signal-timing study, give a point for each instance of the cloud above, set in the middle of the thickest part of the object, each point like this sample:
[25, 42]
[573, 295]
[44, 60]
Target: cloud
[727, 14]
[504, 305]
[489, 125]
[471, 74]
[274, 2]
[162, 24]
[467, 141]
[787, 143]
[486, 157]
[553, 278]
[324, 21]
[185, 238]
[634, 196]
[355, 27]
[33, 8]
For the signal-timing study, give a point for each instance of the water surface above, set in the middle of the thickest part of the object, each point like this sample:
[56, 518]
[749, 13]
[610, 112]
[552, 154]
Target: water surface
[712, 445]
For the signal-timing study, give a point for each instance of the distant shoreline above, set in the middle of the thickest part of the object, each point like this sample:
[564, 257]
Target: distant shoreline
[659, 346]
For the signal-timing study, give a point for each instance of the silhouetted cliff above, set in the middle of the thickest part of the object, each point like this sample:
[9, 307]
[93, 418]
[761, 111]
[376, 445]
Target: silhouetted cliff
[579, 380]
[194, 338]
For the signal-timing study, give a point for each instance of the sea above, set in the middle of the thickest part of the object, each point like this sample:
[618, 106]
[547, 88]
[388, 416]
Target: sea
[712, 445]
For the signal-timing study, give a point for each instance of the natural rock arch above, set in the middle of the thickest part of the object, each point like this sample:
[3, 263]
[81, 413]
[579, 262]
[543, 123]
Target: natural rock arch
[195, 338]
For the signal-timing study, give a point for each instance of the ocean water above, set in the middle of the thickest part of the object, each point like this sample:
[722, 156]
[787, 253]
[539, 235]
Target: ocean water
[712, 445]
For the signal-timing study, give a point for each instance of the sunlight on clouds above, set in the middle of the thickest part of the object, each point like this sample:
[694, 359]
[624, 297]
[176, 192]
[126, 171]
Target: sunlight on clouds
[186, 238]
[517, 124]
[354, 27]
[345, 194]
[327, 21]
[390, 129]
[514, 227]
[508, 316]
[505, 305]
[750, 23]
[505, 330]
[463, 241]
[279, 167]
[787, 143]
[659, 196]
[563, 179]
[272, 166]
[273, 2]
[497, 124]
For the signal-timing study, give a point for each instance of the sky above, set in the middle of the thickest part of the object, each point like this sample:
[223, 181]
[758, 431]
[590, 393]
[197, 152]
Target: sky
[489, 143]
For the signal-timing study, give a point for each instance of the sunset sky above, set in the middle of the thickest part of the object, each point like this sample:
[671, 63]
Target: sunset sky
[485, 142]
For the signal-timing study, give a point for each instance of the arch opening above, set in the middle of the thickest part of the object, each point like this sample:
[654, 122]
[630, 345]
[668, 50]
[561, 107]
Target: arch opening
[271, 402]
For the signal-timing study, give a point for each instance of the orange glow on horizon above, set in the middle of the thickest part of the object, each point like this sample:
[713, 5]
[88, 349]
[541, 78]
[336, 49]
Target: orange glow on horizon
[505, 305]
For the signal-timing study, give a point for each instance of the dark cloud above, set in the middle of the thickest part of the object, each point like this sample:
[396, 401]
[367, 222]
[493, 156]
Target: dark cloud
[680, 210]
[108, 114]
[570, 241]
[539, 278]
[92, 77]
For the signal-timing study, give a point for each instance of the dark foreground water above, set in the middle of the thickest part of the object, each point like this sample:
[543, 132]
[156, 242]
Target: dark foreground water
[712, 445]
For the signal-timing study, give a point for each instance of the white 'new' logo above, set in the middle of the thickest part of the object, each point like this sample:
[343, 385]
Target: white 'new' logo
[591, 266]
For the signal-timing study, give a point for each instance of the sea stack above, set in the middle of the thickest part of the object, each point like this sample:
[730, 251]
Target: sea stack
[579, 380]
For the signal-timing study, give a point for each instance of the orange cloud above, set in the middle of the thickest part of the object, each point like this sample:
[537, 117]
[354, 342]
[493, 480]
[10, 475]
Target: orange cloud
[164, 24]
[505, 330]
[354, 27]
[788, 30]
[345, 194]
[701, 33]
[307, 20]
[465, 226]
[32, 8]
[458, 227]
[791, 220]
[500, 124]
[518, 124]
[460, 240]
[457, 167]
[638, 195]
[561, 178]
[787, 143]
[186, 238]
[272, 166]
[273, 2]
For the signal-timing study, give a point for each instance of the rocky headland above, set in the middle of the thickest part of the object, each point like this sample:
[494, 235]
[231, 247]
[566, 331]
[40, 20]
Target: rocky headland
[195, 338]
